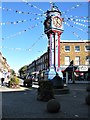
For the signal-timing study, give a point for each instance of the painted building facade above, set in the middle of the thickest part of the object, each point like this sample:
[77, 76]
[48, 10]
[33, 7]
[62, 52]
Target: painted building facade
[3, 63]
[76, 50]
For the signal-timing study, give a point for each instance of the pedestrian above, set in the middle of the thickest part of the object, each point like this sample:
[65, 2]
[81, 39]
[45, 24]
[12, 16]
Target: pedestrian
[2, 81]
[2, 78]
[0, 75]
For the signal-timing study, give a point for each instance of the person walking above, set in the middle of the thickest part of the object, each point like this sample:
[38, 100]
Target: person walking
[2, 78]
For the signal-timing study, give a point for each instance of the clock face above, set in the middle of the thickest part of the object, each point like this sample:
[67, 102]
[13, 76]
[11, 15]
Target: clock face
[57, 21]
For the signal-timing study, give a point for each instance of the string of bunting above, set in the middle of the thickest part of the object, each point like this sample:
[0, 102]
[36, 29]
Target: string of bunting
[78, 5]
[74, 32]
[77, 35]
[22, 49]
[20, 12]
[3, 47]
[79, 16]
[80, 20]
[77, 23]
[77, 27]
[33, 6]
[36, 41]
[18, 21]
[20, 32]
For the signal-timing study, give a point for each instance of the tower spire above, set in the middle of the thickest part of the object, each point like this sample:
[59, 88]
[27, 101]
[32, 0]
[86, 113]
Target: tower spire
[54, 7]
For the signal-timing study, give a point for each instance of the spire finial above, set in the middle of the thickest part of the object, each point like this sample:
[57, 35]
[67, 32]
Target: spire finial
[51, 3]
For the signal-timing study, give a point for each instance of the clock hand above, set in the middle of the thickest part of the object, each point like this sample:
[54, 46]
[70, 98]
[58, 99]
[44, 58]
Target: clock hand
[58, 22]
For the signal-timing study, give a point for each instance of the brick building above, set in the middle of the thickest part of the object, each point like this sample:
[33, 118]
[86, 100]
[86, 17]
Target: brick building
[78, 51]
[39, 65]
[3, 63]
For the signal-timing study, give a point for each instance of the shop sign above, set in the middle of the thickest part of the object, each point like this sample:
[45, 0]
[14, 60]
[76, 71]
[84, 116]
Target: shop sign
[83, 68]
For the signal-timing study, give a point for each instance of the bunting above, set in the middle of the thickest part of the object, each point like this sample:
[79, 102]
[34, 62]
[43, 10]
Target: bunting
[36, 42]
[20, 32]
[80, 16]
[22, 49]
[33, 6]
[20, 12]
[77, 27]
[79, 20]
[74, 7]
[18, 21]
[74, 32]
[74, 19]
[77, 35]
[77, 23]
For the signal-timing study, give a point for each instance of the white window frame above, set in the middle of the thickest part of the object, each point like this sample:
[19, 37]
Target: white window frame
[77, 61]
[67, 50]
[87, 61]
[86, 49]
[76, 49]
[68, 61]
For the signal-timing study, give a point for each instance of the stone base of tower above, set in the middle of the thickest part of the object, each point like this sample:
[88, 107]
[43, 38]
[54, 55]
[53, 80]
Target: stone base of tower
[51, 73]
[59, 72]
[64, 90]
[58, 85]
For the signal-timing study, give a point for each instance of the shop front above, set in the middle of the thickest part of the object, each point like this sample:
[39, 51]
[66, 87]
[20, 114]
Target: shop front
[76, 74]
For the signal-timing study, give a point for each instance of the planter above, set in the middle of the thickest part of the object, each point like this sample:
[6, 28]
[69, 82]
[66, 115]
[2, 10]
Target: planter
[14, 82]
[45, 90]
[53, 106]
[27, 83]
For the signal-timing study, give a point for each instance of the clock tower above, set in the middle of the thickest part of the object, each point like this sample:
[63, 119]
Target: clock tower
[53, 27]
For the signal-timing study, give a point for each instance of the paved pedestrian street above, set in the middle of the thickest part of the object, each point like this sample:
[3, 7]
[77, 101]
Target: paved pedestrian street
[24, 104]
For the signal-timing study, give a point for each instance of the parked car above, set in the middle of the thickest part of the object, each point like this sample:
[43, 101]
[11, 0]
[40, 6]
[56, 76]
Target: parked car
[28, 82]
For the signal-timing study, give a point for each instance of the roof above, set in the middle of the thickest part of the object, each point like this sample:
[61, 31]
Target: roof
[76, 41]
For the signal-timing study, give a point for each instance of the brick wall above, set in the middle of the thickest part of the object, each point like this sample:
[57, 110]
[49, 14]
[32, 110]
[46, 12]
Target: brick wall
[72, 52]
